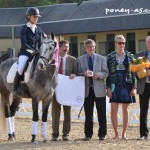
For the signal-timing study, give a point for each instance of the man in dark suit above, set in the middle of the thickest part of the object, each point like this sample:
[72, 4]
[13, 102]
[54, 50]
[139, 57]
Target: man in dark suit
[143, 89]
[68, 67]
[94, 68]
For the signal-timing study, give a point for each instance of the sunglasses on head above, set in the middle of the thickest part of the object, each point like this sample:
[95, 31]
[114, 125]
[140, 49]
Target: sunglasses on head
[121, 43]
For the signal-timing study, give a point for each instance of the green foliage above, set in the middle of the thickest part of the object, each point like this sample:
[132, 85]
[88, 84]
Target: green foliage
[30, 3]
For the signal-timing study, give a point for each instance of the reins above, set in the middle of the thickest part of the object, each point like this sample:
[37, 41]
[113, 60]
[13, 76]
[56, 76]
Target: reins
[45, 60]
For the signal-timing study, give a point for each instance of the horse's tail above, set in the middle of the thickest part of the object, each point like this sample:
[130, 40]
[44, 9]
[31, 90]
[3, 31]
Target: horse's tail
[2, 115]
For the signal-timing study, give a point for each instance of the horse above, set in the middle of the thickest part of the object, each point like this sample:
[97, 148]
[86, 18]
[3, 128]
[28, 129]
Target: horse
[4, 57]
[40, 87]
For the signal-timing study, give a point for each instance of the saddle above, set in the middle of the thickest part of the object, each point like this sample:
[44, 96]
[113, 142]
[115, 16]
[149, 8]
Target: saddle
[28, 71]
[25, 78]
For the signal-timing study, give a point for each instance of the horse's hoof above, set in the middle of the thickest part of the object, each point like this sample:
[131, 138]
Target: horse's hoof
[44, 141]
[34, 141]
[14, 136]
[11, 139]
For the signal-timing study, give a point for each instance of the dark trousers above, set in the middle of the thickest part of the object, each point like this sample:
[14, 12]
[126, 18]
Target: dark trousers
[101, 113]
[144, 105]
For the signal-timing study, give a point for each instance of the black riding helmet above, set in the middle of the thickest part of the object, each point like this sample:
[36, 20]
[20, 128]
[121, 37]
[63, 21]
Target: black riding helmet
[32, 11]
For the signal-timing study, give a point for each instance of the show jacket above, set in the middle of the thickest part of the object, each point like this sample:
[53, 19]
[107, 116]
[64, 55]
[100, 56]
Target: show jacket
[141, 82]
[29, 40]
[71, 65]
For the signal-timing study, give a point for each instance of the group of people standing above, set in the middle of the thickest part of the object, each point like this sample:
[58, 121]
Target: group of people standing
[119, 86]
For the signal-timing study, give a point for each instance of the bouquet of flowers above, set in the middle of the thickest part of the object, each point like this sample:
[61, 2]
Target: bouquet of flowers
[138, 65]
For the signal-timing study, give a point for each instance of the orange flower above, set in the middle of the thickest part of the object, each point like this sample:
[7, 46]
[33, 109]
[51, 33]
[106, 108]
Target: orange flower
[139, 64]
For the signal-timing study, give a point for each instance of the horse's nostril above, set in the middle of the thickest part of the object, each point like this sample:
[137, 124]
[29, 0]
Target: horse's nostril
[41, 65]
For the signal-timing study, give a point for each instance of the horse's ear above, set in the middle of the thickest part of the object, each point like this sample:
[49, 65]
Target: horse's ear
[52, 35]
[44, 35]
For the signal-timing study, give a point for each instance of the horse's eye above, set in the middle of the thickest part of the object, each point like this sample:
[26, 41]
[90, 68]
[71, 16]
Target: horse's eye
[50, 48]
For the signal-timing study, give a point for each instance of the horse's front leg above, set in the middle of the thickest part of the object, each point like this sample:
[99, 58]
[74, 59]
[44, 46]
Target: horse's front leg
[35, 104]
[45, 106]
[13, 108]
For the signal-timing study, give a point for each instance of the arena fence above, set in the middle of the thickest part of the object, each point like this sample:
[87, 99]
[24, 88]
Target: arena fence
[25, 109]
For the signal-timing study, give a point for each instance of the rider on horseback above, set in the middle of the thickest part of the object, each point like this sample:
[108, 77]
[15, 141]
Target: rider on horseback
[31, 40]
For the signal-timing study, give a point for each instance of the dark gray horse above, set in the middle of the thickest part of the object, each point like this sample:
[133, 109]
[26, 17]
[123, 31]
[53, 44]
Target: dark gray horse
[40, 87]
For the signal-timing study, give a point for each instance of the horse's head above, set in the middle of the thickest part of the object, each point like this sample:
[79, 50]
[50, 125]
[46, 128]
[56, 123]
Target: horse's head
[48, 49]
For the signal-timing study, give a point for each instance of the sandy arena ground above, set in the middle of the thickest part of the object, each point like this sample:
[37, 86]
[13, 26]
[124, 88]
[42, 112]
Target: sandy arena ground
[23, 133]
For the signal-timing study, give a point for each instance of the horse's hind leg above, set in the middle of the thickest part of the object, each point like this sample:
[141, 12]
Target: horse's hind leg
[45, 106]
[5, 99]
[13, 109]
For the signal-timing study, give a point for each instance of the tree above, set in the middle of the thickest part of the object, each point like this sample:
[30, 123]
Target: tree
[30, 3]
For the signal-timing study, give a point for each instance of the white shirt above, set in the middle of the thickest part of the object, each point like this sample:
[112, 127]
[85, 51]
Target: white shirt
[31, 26]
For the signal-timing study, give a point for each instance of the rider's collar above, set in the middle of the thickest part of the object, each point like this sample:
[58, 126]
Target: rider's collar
[30, 25]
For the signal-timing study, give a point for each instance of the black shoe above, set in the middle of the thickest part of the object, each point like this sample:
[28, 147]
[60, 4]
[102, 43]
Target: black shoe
[86, 138]
[102, 138]
[142, 138]
[54, 138]
[65, 138]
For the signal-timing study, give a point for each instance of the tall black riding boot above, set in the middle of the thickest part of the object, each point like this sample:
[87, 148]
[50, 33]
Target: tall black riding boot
[16, 83]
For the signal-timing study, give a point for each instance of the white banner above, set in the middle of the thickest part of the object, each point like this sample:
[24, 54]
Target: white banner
[70, 92]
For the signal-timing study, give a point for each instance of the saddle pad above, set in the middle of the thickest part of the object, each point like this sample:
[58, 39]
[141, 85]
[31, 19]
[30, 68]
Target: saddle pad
[70, 92]
[12, 73]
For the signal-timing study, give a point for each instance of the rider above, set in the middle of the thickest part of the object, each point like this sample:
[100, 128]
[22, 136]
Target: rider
[31, 40]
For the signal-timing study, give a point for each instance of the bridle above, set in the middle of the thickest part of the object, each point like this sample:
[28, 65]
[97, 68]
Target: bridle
[47, 60]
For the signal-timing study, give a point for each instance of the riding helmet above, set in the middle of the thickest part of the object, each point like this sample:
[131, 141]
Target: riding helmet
[33, 11]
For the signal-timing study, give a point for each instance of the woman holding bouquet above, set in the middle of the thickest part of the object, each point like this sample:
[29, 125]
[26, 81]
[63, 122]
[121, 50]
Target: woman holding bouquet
[120, 84]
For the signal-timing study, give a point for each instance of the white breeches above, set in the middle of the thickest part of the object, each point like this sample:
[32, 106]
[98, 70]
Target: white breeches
[22, 63]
